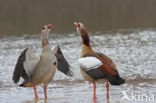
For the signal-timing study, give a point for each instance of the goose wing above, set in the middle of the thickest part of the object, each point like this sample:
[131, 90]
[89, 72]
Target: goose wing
[88, 63]
[91, 65]
[107, 61]
[99, 66]
[25, 65]
[62, 63]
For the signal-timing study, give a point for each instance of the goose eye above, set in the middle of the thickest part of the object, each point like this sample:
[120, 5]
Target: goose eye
[43, 28]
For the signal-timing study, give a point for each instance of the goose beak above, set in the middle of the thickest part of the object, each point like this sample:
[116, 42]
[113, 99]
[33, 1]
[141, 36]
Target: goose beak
[50, 26]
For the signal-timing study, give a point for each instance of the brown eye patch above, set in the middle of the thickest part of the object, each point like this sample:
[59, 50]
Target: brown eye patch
[54, 63]
[43, 28]
[78, 25]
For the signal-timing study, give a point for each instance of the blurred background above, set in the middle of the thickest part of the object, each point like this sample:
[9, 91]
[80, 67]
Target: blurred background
[28, 16]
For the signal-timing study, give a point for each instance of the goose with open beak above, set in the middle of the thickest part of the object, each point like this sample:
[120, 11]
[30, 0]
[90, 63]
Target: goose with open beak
[40, 70]
[96, 66]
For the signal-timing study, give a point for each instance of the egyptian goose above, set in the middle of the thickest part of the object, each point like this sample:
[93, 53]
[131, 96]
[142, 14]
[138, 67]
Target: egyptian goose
[37, 70]
[96, 66]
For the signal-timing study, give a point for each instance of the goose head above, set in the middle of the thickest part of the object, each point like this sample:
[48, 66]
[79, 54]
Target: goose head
[45, 32]
[83, 32]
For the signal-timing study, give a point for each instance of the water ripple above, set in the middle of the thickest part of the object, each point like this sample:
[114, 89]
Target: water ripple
[134, 54]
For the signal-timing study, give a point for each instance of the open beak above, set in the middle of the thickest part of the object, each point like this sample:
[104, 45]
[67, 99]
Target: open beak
[50, 26]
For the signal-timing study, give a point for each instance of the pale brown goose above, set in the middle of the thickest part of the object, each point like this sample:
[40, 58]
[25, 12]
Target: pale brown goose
[37, 70]
[96, 66]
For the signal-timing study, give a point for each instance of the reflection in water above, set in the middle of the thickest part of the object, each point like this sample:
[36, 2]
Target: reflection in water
[94, 100]
[37, 100]
[26, 17]
[43, 100]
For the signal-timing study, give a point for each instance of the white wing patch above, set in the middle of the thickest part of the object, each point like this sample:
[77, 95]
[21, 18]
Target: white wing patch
[55, 48]
[89, 63]
[30, 62]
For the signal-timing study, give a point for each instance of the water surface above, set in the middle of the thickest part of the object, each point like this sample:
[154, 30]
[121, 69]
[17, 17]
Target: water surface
[133, 51]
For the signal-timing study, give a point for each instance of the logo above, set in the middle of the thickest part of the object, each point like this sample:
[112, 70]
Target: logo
[137, 96]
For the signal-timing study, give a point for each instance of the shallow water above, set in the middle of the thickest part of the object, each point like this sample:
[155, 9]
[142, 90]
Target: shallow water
[133, 51]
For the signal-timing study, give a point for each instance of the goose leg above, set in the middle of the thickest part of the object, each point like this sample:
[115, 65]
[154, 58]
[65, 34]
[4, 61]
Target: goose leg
[107, 86]
[45, 92]
[36, 96]
[94, 86]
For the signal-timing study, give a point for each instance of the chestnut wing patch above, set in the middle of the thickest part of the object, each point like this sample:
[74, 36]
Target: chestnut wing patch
[107, 60]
